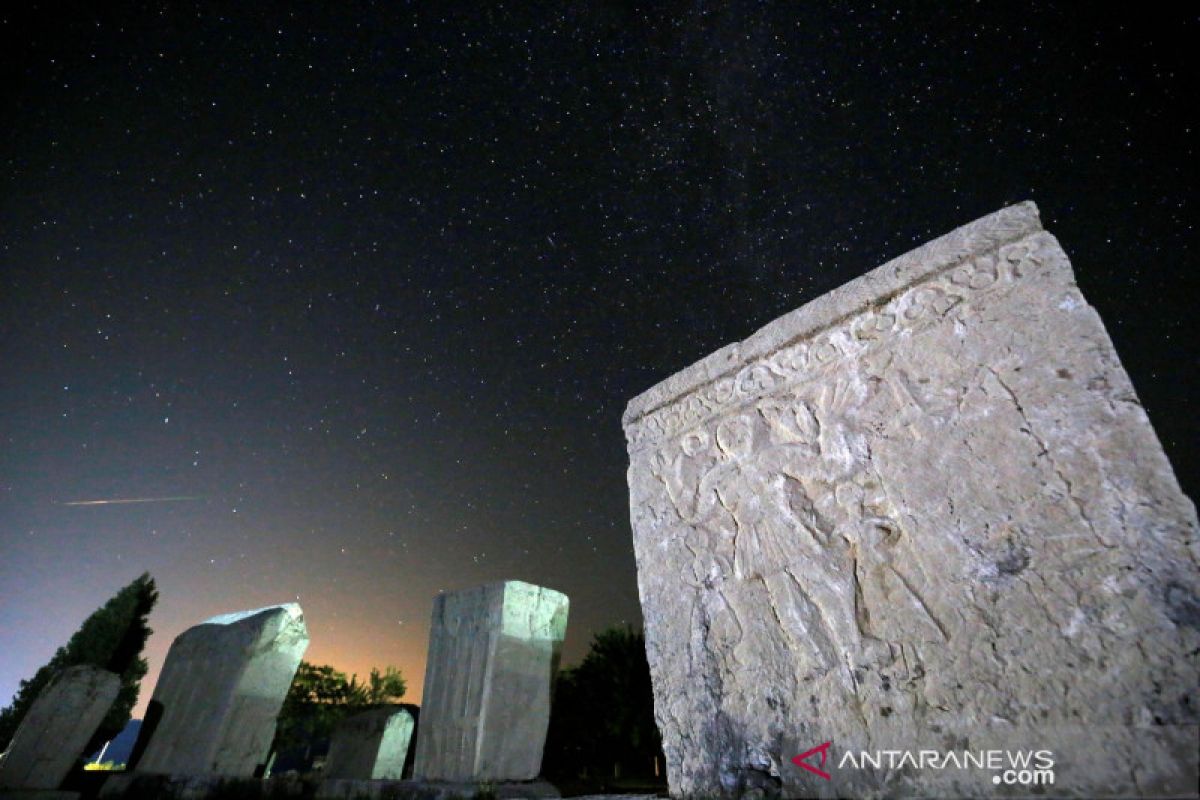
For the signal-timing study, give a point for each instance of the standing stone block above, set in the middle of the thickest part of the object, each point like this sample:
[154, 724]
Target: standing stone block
[493, 651]
[371, 745]
[57, 727]
[925, 510]
[220, 692]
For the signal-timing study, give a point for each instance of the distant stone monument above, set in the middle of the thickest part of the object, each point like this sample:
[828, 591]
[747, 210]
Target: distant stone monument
[493, 651]
[220, 692]
[924, 512]
[370, 746]
[57, 727]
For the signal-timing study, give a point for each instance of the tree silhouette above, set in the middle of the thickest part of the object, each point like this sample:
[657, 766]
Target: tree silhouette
[319, 697]
[602, 717]
[381, 688]
[111, 638]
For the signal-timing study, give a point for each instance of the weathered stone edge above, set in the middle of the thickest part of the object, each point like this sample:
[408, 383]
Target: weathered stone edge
[984, 234]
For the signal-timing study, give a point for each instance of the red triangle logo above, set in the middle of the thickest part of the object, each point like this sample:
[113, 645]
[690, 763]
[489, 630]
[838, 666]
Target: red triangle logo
[823, 749]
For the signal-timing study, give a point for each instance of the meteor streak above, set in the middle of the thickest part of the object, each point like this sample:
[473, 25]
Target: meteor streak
[123, 500]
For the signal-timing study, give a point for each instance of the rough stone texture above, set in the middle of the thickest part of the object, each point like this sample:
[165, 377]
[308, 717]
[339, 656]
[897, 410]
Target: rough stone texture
[156, 786]
[493, 651]
[57, 728]
[925, 510]
[342, 789]
[220, 692]
[370, 745]
[121, 786]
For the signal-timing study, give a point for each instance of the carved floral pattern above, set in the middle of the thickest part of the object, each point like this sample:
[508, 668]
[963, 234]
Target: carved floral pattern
[918, 307]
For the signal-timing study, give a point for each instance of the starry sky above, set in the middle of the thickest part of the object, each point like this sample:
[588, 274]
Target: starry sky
[366, 287]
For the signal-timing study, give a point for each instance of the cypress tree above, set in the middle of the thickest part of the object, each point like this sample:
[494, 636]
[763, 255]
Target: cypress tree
[112, 638]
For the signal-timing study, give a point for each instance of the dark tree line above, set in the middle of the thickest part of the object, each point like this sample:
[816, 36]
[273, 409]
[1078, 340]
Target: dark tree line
[602, 715]
[601, 722]
[320, 697]
[112, 638]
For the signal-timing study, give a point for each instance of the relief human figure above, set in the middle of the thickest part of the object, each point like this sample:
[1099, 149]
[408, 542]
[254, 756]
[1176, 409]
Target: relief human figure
[681, 475]
[739, 484]
[888, 604]
[852, 504]
[709, 535]
[821, 480]
[769, 542]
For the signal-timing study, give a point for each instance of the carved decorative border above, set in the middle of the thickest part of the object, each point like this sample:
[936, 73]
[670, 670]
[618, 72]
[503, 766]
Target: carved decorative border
[912, 309]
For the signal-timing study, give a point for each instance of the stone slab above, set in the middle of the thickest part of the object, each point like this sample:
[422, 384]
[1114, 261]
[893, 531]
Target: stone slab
[220, 691]
[433, 790]
[154, 786]
[371, 745]
[925, 510]
[164, 787]
[57, 727]
[493, 651]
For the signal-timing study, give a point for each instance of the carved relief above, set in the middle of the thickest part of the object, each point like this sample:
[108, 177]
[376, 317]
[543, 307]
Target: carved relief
[680, 472]
[888, 605]
[814, 519]
[912, 310]
[785, 485]
[873, 325]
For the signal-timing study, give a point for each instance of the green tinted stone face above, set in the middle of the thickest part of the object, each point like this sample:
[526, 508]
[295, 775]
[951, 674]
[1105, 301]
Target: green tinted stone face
[492, 654]
[370, 746]
[57, 728]
[221, 689]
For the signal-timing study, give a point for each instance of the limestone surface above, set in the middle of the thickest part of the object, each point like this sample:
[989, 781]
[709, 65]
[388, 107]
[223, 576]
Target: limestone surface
[371, 745]
[57, 728]
[493, 651]
[924, 511]
[220, 691]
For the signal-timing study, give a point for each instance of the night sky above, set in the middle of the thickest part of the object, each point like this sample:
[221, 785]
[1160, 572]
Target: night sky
[370, 285]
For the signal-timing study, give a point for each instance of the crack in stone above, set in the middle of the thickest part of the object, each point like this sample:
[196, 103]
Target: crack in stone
[1045, 451]
[924, 606]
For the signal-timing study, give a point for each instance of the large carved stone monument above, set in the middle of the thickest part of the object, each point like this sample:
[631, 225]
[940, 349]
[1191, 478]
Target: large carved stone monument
[220, 692]
[370, 746]
[493, 651]
[57, 727]
[924, 511]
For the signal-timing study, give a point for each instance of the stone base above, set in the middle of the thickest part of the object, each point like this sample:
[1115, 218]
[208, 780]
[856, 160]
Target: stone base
[37, 794]
[344, 789]
[151, 786]
[146, 786]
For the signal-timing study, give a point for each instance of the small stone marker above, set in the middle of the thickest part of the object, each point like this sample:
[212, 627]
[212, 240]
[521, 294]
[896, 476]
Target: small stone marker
[925, 511]
[370, 746]
[220, 692]
[492, 654]
[57, 727]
